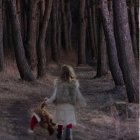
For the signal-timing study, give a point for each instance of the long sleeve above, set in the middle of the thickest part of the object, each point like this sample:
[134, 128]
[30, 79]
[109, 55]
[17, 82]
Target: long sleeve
[79, 98]
[53, 97]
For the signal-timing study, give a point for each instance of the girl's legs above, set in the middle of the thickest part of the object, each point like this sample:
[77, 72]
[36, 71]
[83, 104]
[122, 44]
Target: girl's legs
[59, 132]
[68, 132]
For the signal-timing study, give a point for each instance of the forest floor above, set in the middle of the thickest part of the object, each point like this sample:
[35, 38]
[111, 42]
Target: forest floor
[107, 116]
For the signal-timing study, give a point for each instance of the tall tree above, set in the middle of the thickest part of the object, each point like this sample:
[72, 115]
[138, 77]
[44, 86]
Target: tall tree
[94, 11]
[54, 46]
[137, 21]
[133, 29]
[42, 8]
[1, 39]
[59, 18]
[82, 33]
[41, 51]
[23, 67]
[91, 26]
[102, 63]
[111, 44]
[31, 35]
[65, 25]
[125, 51]
[69, 21]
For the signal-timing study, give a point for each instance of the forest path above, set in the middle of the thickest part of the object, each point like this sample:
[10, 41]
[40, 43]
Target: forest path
[107, 116]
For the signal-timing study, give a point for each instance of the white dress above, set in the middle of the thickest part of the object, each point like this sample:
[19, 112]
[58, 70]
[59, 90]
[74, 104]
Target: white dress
[65, 112]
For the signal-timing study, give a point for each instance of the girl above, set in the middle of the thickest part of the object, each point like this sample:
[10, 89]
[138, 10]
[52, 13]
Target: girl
[66, 96]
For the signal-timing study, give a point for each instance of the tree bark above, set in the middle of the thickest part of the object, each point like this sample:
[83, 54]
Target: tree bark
[137, 22]
[23, 67]
[111, 44]
[82, 33]
[94, 20]
[125, 51]
[41, 51]
[69, 22]
[133, 29]
[24, 22]
[59, 23]
[31, 38]
[1, 40]
[65, 25]
[42, 8]
[54, 32]
[91, 27]
[102, 64]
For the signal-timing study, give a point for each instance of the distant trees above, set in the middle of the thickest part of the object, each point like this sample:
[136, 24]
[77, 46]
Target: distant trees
[100, 33]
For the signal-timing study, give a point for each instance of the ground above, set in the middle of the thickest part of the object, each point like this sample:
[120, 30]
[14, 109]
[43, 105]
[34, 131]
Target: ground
[107, 116]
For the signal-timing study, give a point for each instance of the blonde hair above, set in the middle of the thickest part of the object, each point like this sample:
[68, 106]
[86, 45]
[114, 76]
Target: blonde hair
[67, 73]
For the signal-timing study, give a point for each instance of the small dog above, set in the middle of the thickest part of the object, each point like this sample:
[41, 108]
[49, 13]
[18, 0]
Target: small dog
[42, 117]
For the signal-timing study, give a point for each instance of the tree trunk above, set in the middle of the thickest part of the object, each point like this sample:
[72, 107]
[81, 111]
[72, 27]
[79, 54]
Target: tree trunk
[31, 38]
[82, 33]
[41, 51]
[42, 9]
[94, 21]
[54, 32]
[88, 49]
[91, 26]
[7, 37]
[65, 26]
[69, 21]
[133, 29]
[24, 22]
[1, 40]
[59, 21]
[111, 44]
[23, 67]
[102, 64]
[137, 22]
[125, 51]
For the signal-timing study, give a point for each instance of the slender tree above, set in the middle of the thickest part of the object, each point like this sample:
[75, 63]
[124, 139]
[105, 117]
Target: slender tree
[54, 32]
[32, 32]
[111, 44]
[65, 25]
[41, 51]
[1, 39]
[59, 23]
[137, 22]
[23, 67]
[94, 13]
[102, 63]
[133, 29]
[42, 8]
[125, 51]
[69, 21]
[82, 33]
[91, 27]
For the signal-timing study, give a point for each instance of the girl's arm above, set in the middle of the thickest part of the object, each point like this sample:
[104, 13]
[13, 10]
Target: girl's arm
[80, 99]
[52, 98]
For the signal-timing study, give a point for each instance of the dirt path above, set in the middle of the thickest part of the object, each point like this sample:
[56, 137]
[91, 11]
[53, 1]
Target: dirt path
[107, 116]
